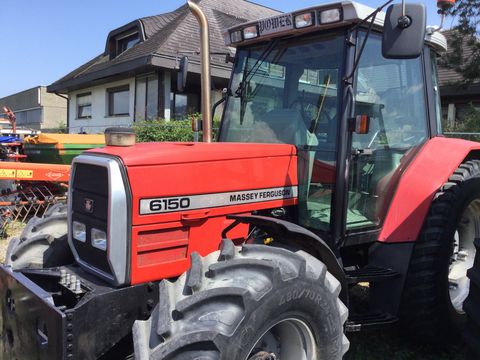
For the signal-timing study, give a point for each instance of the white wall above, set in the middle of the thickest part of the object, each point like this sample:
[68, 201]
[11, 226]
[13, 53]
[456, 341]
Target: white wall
[100, 119]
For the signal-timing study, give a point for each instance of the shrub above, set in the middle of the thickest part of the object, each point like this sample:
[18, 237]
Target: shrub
[161, 130]
[470, 124]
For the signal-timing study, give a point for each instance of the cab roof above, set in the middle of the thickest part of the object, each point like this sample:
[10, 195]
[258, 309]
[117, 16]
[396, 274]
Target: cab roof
[351, 13]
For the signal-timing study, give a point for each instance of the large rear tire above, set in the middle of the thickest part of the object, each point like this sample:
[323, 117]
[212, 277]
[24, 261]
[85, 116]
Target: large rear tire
[472, 307]
[437, 283]
[43, 243]
[245, 302]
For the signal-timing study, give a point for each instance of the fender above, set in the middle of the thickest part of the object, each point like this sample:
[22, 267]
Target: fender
[306, 240]
[433, 165]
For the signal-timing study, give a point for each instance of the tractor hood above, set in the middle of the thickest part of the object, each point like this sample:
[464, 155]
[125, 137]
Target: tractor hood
[203, 173]
[148, 154]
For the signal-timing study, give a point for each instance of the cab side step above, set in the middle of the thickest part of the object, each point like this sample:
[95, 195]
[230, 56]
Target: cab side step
[369, 321]
[370, 273]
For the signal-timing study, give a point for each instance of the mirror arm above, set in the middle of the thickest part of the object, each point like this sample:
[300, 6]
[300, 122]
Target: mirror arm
[372, 16]
[374, 13]
[358, 57]
[216, 105]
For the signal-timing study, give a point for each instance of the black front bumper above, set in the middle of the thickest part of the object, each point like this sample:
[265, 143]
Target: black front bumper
[42, 319]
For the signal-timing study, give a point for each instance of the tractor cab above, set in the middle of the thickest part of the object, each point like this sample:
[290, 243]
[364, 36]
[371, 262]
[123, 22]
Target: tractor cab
[318, 79]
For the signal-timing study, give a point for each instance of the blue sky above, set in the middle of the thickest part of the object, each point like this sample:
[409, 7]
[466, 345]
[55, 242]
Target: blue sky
[43, 40]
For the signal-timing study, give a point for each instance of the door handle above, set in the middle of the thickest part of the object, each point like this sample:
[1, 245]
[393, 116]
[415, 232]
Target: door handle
[195, 216]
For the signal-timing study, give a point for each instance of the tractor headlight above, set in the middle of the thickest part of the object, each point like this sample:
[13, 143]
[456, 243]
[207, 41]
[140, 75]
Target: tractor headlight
[330, 16]
[250, 32]
[79, 231]
[99, 239]
[236, 36]
[304, 20]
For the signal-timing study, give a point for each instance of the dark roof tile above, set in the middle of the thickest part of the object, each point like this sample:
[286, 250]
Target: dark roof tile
[447, 76]
[175, 34]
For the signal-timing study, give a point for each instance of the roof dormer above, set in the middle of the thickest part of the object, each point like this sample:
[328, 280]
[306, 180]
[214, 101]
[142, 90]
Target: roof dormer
[124, 38]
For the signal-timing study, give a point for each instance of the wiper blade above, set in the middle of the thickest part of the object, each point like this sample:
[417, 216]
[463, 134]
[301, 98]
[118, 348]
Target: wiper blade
[248, 74]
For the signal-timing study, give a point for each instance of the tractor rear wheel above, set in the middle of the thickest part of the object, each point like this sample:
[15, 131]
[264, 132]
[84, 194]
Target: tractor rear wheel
[472, 307]
[43, 243]
[254, 302]
[437, 285]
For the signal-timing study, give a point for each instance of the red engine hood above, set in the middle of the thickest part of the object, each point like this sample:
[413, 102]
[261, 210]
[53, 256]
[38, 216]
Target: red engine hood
[179, 170]
[145, 154]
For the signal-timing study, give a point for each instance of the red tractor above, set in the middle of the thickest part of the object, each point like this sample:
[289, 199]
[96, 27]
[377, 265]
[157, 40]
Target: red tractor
[330, 170]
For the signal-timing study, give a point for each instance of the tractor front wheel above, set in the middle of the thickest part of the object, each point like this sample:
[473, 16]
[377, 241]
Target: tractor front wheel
[249, 303]
[43, 243]
[437, 285]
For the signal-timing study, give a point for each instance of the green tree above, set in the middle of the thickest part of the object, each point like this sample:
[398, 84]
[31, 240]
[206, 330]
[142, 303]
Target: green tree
[467, 31]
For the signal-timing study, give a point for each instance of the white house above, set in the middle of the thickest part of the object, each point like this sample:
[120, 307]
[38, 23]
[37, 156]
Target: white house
[135, 78]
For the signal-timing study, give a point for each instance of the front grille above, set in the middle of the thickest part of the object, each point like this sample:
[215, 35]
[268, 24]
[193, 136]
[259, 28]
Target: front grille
[89, 202]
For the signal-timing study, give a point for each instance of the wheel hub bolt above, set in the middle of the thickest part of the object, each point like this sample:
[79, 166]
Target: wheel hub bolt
[63, 276]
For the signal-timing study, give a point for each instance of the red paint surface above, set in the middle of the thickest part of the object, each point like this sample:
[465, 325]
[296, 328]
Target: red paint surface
[162, 243]
[430, 169]
[145, 154]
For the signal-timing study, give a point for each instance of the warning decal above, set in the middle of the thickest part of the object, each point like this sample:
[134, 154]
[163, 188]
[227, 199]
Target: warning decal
[24, 174]
[7, 173]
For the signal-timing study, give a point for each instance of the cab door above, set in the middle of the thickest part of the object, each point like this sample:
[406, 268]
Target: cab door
[392, 93]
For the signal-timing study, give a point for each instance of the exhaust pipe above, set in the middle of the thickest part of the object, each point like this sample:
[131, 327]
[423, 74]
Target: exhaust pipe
[205, 74]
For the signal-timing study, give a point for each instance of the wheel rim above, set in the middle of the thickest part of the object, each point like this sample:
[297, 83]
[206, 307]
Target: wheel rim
[287, 339]
[463, 255]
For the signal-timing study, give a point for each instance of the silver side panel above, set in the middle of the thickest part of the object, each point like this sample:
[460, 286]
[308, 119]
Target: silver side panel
[117, 223]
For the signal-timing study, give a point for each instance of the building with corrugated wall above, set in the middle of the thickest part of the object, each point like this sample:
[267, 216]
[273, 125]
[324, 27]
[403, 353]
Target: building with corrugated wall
[37, 109]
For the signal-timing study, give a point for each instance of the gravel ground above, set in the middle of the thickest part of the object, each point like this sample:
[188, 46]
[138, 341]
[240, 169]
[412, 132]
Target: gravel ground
[3, 249]
[14, 230]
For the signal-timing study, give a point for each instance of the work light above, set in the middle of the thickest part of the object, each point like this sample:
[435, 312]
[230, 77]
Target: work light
[79, 231]
[250, 32]
[236, 36]
[304, 20]
[330, 16]
[99, 239]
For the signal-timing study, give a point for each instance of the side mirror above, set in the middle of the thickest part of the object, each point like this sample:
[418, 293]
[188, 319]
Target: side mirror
[182, 74]
[404, 33]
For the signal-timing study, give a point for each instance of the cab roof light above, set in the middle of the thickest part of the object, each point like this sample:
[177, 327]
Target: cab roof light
[236, 36]
[330, 16]
[304, 20]
[250, 32]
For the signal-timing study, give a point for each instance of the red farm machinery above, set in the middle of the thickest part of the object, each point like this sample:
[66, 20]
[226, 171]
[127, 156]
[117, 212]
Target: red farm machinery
[330, 170]
[35, 170]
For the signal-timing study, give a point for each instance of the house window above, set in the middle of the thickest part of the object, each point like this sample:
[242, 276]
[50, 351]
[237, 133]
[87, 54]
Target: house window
[146, 97]
[84, 106]
[184, 104]
[126, 41]
[118, 101]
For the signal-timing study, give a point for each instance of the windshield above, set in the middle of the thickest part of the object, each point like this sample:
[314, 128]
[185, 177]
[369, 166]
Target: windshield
[285, 92]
